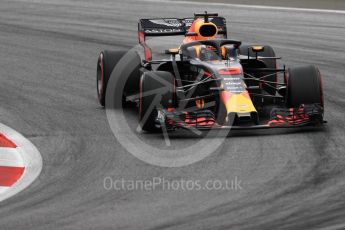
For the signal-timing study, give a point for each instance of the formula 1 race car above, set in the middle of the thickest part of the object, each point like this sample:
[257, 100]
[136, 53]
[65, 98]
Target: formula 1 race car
[212, 82]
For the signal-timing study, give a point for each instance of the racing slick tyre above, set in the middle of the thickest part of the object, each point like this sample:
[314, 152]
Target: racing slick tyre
[269, 63]
[107, 60]
[304, 86]
[157, 90]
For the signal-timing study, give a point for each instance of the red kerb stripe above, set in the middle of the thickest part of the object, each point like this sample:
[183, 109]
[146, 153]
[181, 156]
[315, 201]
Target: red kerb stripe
[10, 175]
[4, 142]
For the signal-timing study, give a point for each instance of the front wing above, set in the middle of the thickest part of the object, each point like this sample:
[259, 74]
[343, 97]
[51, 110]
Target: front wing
[305, 115]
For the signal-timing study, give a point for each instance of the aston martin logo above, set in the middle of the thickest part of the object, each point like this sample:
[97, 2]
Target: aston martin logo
[167, 22]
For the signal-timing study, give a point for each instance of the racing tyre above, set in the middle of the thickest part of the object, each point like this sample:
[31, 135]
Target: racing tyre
[304, 86]
[107, 61]
[269, 63]
[157, 90]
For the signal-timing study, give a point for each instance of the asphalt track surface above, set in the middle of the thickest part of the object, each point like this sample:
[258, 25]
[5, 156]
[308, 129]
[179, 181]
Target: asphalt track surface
[48, 53]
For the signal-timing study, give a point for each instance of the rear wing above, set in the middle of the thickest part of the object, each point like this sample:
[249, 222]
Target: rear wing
[175, 26]
[172, 27]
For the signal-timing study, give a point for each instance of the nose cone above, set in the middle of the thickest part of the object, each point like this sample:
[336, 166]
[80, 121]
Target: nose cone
[237, 103]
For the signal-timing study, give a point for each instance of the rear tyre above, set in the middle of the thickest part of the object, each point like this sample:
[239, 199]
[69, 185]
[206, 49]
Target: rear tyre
[269, 63]
[157, 90]
[304, 86]
[107, 61]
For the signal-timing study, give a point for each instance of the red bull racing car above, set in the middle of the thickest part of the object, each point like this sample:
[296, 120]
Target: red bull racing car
[212, 82]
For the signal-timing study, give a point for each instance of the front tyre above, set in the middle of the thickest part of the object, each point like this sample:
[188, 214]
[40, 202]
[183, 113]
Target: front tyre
[157, 90]
[304, 86]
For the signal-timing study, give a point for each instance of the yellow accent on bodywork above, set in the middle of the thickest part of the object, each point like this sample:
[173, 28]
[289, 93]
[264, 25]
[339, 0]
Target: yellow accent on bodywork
[257, 48]
[174, 50]
[239, 104]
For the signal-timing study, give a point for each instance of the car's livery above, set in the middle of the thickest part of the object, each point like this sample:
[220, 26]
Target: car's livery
[214, 82]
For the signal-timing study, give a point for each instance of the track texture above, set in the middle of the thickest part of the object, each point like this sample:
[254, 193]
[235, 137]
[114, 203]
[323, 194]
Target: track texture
[48, 53]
